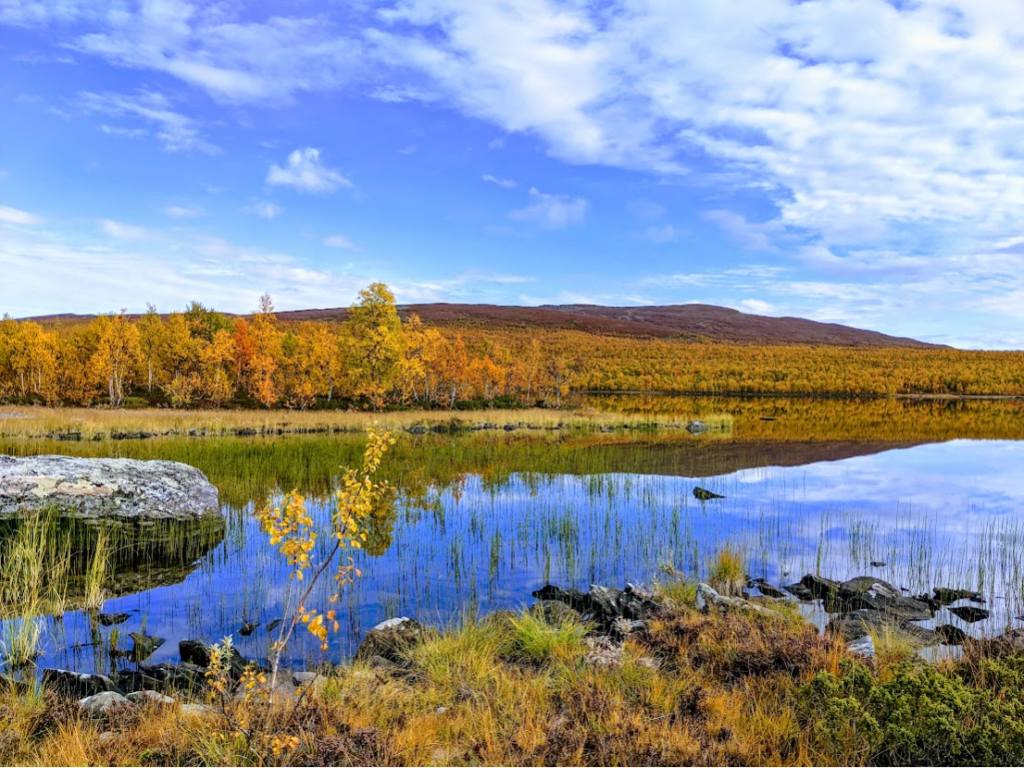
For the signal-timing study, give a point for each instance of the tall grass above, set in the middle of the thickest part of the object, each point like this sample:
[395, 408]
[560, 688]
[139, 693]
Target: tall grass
[97, 572]
[35, 565]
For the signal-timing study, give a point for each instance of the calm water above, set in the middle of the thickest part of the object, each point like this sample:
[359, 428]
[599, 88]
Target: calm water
[949, 514]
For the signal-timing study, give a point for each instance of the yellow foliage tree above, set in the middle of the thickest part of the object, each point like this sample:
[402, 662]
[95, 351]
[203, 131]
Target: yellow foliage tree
[117, 352]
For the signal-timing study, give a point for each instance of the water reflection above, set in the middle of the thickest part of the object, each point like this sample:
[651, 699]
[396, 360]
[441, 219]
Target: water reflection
[945, 514]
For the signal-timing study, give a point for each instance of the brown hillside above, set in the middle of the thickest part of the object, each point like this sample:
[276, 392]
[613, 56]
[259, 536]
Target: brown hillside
[697, 322]
[692, 322]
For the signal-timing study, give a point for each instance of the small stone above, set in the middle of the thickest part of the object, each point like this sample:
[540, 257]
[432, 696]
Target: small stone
[877, 564]
[149, 697]
[865, 646]
[440, 710]
[391, 639]
[696, 427]
[102, 703]
[272, 625]
[111, 619]
[248, 628]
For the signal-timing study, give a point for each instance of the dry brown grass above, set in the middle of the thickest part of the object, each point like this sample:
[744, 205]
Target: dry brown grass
[693, 689]
[22, 421]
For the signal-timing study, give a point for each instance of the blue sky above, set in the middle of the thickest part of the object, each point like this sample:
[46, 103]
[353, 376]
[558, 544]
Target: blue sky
[854, 161]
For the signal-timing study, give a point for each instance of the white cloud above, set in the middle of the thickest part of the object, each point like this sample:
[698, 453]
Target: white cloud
[175, 131]
[756, 306]
[183, 211]
[121, 231]
[264, 209]
[859, 119]
[338, 241]
[306, 173]
[551, 211]
[16, 216]
[498, 143]
[506, 183]
[742, 233]
[235, 60]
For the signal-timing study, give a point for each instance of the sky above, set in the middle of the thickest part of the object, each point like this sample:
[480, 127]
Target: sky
[851, 161]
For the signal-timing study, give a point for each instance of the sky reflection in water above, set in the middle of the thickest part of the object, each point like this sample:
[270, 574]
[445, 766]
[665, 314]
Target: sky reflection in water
[946, 514]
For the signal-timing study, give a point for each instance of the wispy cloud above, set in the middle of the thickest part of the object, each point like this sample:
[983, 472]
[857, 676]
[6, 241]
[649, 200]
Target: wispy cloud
[264, 209]
[16, 216]
[504, 183]
[175, 131]
[551, 211]
[305, 172]
[183, 211]
[121, 231]
[338, 241]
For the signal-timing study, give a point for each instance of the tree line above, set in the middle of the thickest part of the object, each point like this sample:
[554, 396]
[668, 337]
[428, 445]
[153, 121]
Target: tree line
[202, 358]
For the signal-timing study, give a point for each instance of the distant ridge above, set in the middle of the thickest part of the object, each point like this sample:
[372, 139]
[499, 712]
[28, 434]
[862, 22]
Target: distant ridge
[696, 322]
[692, 322]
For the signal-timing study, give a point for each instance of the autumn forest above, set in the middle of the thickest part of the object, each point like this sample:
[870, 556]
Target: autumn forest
[376, 359]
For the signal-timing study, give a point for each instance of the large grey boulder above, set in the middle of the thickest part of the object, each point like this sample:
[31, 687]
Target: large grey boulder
[125, 489]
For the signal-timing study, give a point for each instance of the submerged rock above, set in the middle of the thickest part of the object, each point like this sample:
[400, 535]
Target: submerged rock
[104, 488]
[248, 628]
[112, 619]
[703, 494]
[144, 645]
[969, 613]
[391, 639]
[946, 596]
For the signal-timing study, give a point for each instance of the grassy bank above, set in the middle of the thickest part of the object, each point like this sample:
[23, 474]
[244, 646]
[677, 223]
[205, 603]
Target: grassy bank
[690, 688]
[101, 423]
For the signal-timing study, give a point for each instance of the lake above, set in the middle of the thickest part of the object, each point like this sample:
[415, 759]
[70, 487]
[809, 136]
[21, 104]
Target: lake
[932, 490]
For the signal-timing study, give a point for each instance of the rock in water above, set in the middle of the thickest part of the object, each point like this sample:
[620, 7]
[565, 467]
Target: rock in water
[951, 635]
[703, 494]
[697, 427]
[969, 613]
[112, 619]
[144, 645]
[124, 489]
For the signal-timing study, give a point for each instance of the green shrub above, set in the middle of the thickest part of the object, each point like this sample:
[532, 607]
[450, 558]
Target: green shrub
[919, 716]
